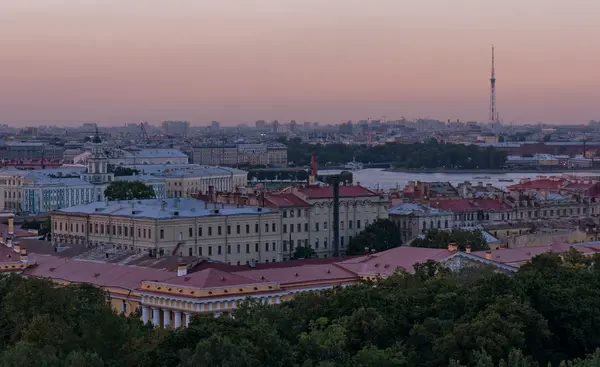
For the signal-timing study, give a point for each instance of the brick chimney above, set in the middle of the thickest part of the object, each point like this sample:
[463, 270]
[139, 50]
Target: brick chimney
[181, 268]
[468, 249]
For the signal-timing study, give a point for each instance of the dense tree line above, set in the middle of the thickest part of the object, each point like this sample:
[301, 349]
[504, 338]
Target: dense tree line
[545, 314]
[428, 155]
[382, 234]
[129, 190]
[439, 238]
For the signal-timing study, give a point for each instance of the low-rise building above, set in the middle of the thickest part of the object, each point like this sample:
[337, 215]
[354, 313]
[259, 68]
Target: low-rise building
[161, 227]
[414, 219]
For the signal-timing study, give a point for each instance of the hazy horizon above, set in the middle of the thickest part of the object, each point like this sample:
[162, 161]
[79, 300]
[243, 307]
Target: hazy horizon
[236, 61]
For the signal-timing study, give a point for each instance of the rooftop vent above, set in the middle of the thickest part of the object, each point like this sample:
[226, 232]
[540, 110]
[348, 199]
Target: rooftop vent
[175, 213]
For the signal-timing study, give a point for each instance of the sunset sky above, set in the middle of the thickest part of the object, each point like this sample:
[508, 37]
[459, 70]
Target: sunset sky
[237, 61]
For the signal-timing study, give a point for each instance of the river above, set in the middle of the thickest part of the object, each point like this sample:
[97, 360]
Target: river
[374, 178]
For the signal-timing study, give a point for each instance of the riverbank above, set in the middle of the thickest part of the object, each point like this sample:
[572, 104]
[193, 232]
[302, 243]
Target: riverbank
[491, 171]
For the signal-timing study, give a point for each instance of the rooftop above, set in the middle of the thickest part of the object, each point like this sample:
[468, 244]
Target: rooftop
[416, 210]
[163, 209]
[471, 205]
[285, 200]
[324, 192]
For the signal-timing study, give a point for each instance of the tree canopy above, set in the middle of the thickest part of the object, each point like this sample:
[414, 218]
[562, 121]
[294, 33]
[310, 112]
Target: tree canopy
[129, 190]
[382, 234]
[545, 314]
[304, 252]
[438, 238]
[432, 154]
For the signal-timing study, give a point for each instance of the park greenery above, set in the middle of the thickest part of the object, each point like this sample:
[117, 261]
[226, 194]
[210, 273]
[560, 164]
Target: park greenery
[382, 234]
[129, 190]
[429, 155]
[543, 315]
[439, 238]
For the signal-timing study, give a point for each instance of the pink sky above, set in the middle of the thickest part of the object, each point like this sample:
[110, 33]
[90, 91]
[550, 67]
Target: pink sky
[236, 61]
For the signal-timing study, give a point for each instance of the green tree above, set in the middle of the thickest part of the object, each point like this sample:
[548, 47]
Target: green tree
[129, 190]
[304, 252]
[437, 238]
[382, 234]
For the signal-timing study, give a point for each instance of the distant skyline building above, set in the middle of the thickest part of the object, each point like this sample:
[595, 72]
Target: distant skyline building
[176, 128]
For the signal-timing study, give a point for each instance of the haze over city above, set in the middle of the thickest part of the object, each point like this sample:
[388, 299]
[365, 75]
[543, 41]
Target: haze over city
[111, 62]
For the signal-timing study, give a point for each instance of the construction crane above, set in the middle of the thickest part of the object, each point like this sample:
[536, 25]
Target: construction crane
[143, 133]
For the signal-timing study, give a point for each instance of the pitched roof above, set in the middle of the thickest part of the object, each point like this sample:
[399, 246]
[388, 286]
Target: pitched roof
[554, 183]
[471, 205]
[324, 192]
[211, 278]
[285, 200]
[299, 274]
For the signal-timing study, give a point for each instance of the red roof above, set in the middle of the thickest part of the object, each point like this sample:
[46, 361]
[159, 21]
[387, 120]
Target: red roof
[471, 205]
[324, 192]
[580, 185]
[387, 262]
[210, 278]
[285, 200]
[519, 256]
[539, 184]
[299, 274]
[96, 273]
[8, 255]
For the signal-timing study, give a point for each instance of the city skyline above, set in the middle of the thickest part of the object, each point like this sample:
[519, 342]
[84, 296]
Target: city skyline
[67, 62]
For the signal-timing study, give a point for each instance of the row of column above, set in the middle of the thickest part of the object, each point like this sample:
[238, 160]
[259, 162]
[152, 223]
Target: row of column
[152, 314]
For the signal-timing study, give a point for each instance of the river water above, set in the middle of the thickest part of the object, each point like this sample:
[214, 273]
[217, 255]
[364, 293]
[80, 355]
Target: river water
[374, 178]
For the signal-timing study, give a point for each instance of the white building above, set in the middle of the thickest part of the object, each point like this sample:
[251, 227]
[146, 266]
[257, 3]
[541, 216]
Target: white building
[414, 219]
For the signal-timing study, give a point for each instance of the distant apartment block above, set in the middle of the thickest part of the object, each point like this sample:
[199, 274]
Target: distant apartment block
[273, 154]
[176, 128]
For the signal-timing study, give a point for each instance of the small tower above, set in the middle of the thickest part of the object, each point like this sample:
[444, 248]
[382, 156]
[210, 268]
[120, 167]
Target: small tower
[97, 168]
[493, 118]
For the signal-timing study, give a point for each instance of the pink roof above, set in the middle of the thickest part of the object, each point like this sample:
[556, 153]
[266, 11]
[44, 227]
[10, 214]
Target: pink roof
[285, 200]
[387, 262]
[323, 192]
[96, 273]
[519, 256]
[580, 186]
[210, 278]
[299, 274]
[471, 205]
[8, 255]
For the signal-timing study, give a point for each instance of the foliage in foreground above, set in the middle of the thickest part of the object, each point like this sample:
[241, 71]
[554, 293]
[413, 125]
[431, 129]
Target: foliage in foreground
[545, 314]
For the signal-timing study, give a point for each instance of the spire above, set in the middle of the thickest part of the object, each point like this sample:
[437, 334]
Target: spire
[96, 139]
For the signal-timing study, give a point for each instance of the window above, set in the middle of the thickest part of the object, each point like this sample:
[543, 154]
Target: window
[285, 213]
[256, 229]
[124, 228]
[358, 224]
[291, 228]
[324, 226]
[190, 251]
[274, 246]
[316, 243]
[219, 230]
[446, 223]
[219, 251]
[238, 248]
[209, 250]
[439, 223]
[191, 232]
[144, 231]
[200, 251]
[162, 233]
[237, 229]
[342, 225]
[247, 228]
[284, 245]
[325, 242]
[256, 247]
[124, 307]
[210, 231]
[199, 231]
[266, 227]
[267, 246]
[349, 224]
[273, 227]
[299, 227]
[305, 227]
[247, 248]
[139, 232]
[228, 229]
[317, 227]
[229, 249]
[292, 213]
[299, 212]
[285, 228]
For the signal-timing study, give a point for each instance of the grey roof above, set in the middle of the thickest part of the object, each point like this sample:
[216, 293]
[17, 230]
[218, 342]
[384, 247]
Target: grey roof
[416, 210]
[65, 171]
[173, 208]
[143, 178]
[60, 181]
[158, 153]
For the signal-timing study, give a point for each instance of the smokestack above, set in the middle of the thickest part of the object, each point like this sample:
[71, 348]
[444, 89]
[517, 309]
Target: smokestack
[336, 215]
[181, 268]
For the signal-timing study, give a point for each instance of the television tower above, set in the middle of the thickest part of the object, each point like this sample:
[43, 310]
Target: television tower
[493, 112]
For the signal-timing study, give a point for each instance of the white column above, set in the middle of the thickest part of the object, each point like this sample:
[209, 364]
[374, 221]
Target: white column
[167, 318]
[177, 316]
[145, 314]
[156, 316]
[187, 319]
[210, 306]
[277, 300]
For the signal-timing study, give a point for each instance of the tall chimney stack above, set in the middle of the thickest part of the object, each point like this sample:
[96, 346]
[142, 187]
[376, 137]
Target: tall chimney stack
[313, 172]
[336, 215]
